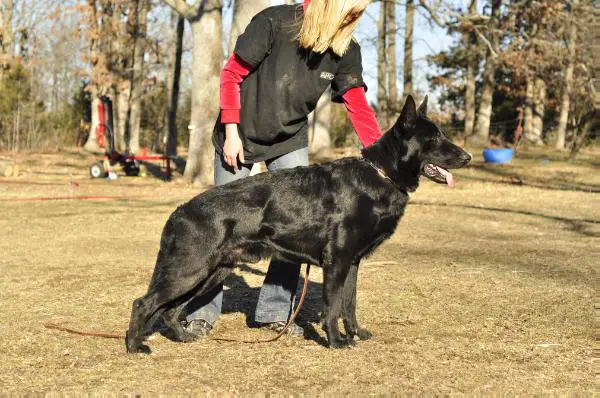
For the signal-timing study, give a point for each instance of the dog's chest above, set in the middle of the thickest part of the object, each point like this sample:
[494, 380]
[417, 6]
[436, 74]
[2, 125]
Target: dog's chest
[387, 214]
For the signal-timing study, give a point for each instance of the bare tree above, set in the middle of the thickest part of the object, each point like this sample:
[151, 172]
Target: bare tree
[391, 58]
[591, 120]
[123, 49]
[175, 51]
[139, 50]
[470, 40]
[528, 108]
[565, 103]
[7, 35]
[482, 127]
[98, 64]
[539, 105]
[382, 62]
[207, 54]
[408, 47]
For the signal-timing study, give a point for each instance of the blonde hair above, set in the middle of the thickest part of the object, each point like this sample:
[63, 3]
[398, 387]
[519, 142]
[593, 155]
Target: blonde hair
[330, 24]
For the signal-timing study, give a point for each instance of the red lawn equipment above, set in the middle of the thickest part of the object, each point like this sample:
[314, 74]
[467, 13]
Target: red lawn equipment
[106, 139]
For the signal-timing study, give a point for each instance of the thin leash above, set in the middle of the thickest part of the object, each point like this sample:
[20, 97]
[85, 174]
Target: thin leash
[55, 326]
[289, 323]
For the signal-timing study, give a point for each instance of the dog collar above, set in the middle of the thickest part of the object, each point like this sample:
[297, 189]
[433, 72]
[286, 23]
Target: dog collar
[382, 174]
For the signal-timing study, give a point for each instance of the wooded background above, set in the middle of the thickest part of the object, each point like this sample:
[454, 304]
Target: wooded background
[518, 71]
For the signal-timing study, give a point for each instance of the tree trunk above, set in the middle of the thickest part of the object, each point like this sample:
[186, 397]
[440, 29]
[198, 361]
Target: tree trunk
[207, 63]
[539, 102]
[121, 51]
[91, 145]
[173, 80]
[100, 80]
[391, 57]
[482, 127]
[243, 11]
[138, 76]
[381, 62]
[528, 108]
[470, 41]
[565, 103]
[408, 47]
[7, 44]
[121, 113]
[319, 122]
[592, 119]
[470, 98]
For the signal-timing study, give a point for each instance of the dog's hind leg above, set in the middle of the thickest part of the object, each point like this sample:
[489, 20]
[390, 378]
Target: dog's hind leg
[217, 277]
[170, 317]
[349, 307]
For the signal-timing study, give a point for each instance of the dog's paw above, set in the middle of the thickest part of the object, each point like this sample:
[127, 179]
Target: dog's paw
[363, 334]
[140, 349]
[354, 332]
[134, 346]
[341, 343]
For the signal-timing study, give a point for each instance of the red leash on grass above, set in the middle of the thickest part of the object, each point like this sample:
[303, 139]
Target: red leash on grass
[50, 325]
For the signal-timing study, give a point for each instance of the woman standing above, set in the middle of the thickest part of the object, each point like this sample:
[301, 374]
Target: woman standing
[283, 62]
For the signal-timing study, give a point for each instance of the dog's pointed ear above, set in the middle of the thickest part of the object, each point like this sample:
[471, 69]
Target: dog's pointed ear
[422, 111]
[408, 116]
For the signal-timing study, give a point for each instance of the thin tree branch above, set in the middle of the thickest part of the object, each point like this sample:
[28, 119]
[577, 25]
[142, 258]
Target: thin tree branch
[432, 14]
[486, 41]
[441, 24]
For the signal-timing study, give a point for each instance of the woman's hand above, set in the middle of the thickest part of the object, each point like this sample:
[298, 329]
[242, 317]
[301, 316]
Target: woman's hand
[233, 148]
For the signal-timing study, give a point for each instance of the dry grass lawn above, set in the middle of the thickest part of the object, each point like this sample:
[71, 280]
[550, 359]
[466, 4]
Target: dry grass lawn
[487, 288]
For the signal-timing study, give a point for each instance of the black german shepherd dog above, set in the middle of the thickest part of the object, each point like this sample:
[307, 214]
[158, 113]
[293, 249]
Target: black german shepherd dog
[331, 214]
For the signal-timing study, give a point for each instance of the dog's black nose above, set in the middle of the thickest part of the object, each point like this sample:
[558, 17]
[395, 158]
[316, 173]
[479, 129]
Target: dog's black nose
[467, 157]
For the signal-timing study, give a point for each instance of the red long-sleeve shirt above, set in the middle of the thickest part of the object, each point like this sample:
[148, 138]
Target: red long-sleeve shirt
[236, 69]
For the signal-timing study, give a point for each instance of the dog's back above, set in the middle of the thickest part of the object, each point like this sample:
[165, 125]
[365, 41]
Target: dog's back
[293, 212]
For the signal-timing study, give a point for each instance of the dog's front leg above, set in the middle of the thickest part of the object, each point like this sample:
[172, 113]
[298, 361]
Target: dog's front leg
[333, 283]
[349, 307]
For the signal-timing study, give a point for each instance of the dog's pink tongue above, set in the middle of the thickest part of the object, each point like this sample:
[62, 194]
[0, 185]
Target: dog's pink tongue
[447, 175]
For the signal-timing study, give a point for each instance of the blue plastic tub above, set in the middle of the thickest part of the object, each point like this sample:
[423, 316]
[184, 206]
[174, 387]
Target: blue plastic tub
[498, 155]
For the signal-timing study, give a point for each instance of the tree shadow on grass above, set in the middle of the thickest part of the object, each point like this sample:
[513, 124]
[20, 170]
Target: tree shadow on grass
[510, 177]
[179, 164]
[114, 207]
[156, 170]
[578, 225]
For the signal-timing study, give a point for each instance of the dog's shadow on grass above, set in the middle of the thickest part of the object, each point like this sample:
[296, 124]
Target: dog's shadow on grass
[241, 297]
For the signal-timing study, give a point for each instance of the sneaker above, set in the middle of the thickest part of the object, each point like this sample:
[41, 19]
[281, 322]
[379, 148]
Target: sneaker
[294, 330]
[193, 330]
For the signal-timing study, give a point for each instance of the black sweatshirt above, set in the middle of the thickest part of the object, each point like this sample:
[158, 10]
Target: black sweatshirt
[285, 84]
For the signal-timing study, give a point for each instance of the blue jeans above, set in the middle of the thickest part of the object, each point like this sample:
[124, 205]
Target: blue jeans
[277, 294]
